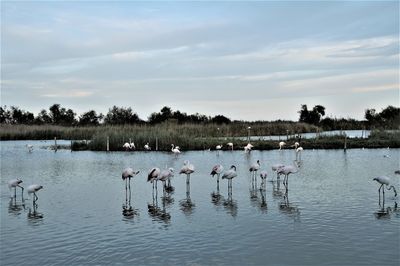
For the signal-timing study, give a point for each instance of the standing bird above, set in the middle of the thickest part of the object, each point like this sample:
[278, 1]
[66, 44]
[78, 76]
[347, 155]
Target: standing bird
[281, 144]
[30, 147]
[299, 150]
[253, 170]
[230, 145]
[175, 150]
[147, 147]
[275, 168]
[132, 146]
[296, 144]
[127, 174]
[126, 146]
[165, 176]
[287, 170]
[187, 169]
[33, 189]
[384, 180]
[217, 170]
[153, 176]
[230, 174]
[14, 183]
[248, 147]
[263, 175]
[218, 148]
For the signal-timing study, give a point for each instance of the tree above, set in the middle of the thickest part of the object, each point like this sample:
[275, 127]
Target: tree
[43, 118]
[220, 119]
[311, 117]
[90, 118]
[120, 115]
[5, 115]
[304, 114]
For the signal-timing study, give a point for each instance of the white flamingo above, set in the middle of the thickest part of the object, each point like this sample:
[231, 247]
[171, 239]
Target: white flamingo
[147, 147]
[281, 144]
[153, 176]
[299, 150]
[230, 174]
[230, 145]
[275, 168]
[30, 147]
[132, 146]
[187, 169]
[253, 169]
[33, 189]
[248, 148]
[165, 176]
[287, 170]
[14, 183]
[218, 148]
[175, 150]
[126, 146]
[384, 180]
[217, 170]
[127, 174]
[296, 144]
[263, 175]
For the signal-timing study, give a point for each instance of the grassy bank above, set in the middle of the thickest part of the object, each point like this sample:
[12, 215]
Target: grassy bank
[190, 136]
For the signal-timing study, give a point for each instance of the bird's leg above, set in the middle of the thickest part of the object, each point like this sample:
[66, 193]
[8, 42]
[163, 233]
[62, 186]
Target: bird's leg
[15, 192]
[130, 193]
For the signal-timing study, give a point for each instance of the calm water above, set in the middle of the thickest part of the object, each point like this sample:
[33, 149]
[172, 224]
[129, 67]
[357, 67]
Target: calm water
[349, 133]
[331, 216]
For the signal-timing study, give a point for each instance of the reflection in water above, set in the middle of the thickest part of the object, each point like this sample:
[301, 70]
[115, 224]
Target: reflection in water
[277, 192]
[288, 208]
[255, 199]
[16, 208]
[34, 215]
[156, 212]
[385, 213]
[216, 197]
[187, 205]
[127, 210]
[230, 204]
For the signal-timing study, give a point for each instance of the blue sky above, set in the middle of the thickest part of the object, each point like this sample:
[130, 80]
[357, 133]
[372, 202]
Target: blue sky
[245, 60]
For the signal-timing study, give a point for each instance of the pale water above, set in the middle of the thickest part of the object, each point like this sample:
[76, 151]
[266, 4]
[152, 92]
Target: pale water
[330, 217]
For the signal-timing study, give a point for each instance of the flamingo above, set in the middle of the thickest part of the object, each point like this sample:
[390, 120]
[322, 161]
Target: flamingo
[254, 168]
[296, 144]
[33, 189]
[281, 144]
[299, 150]
[230, 174]
[287, 170]
[187, 169]
[147, 147]
[153, 176]
[217, 170]
[248, 147]
[132, 146]
[218, 148]
[175, 150]
[30, 147]
[275, 168]
[126, 146]
[384, 180]
[127, 174]
[230, 145]
[14, 183]
[263, 175]
[166, 175]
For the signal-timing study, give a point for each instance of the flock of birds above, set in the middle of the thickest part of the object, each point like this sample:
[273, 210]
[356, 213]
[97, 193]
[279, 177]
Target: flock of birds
[165, 176]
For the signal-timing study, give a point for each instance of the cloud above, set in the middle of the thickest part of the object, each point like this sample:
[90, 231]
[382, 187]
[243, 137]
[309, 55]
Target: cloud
[68, 94]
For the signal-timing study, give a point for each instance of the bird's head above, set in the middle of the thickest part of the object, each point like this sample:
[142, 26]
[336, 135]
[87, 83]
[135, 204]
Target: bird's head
[233, 167]
[19, 181]
[171, 169]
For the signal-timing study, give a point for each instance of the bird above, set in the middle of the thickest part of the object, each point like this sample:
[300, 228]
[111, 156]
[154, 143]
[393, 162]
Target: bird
[187, 169]
[276, 167]
[166, 175]
[281, 144]
[33, 189]
[147, 147]
[299, 150]
[218, 148]
[175, 150]
[217, 170]
[384, 180]
[153, 176]
[30, 147]
[296, 144]
[287, 170]
[248, 147]
[127, 174]
[14, 183]
[230, 174]
[132, 146]
[254, 168]
[230, 145]
[397, 172]
[126, 146]
[263, 175]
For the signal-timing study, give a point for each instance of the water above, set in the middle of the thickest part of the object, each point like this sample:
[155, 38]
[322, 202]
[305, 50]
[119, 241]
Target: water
[332, 215]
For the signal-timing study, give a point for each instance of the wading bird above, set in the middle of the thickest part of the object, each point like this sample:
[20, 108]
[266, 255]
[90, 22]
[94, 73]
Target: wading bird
[253, 170]
[275, 168]
[281, 144]
[33, 189]
[14, 183]
[187, 169]
[230, 145]
[217, 170]
[165, 176]
[248, 147]
[175, 150]
[30, 147]
[384, 180]
[147, 147]
[299, 150]
[230, 174]
[287, 170]
[153, 176]
[263, 175]
[296, 144]
[126, 146]
[127, 174]
[132, 146]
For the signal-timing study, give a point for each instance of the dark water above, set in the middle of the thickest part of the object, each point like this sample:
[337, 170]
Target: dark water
[330, 216]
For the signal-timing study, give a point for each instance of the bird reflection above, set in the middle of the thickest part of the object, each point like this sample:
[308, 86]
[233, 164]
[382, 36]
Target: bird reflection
[289, 208]
[385, 213]
[14, 207]
[33, 214]
[157, 213]
[255, 199]
[277, 192]
[230, 204]
[187, 206]
[127, 210]
[216, 197]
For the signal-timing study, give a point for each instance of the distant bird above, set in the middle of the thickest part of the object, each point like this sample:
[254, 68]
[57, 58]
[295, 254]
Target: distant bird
[299, 150]
[30, 147]
[230, 145]
[14, 183]
[254, 168]
[384, 180]
[132, 146]
[263, 175]
[126, 146]
[153, 176]
[175, 150]
[230, 174]
[275, 168]
[165, 176]
[386, 156]
[281, 144]
[147, 147]
[33, 189]
[127, 174]
[287, 170]
[187, 169]
[296, 144]
[218, 148]
[217, 170]
[248, 148]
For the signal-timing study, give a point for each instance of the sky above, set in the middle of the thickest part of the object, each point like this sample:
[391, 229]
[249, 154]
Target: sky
[258, 60]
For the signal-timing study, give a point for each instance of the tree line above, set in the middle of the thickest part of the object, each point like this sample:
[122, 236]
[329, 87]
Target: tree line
[389, 117]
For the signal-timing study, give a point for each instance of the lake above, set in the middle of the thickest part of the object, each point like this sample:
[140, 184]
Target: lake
[330, 215]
